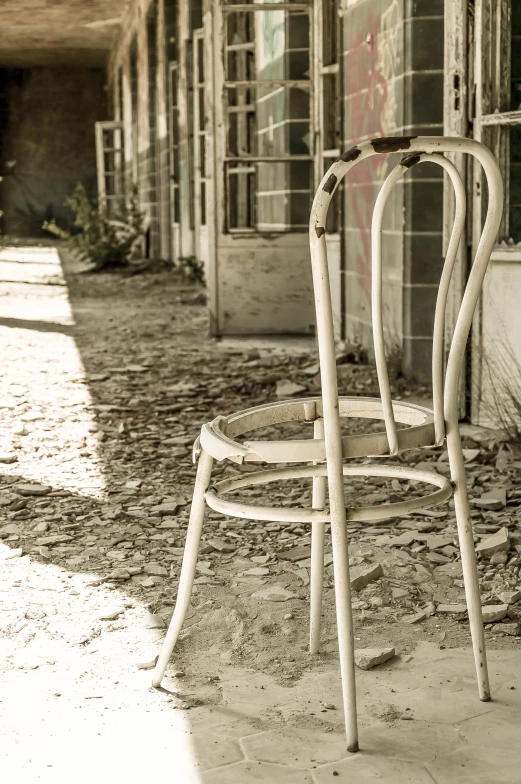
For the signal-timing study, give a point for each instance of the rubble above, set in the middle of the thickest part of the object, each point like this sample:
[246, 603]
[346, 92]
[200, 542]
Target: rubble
[275, 593]
[494, 612]
[509, 597]
[499, 541]
[367, 658]
[361, 576]
[494, 500]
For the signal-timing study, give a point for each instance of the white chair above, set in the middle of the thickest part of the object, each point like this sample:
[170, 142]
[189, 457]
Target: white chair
[418, 427]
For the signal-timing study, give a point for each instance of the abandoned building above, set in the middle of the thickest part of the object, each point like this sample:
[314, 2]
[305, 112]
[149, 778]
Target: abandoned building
[226, 115]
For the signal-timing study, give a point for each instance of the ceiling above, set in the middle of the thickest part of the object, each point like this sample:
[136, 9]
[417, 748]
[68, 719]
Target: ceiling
[58, 32]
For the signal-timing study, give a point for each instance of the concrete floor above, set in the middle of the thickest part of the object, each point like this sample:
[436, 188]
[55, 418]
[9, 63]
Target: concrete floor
[432, 727]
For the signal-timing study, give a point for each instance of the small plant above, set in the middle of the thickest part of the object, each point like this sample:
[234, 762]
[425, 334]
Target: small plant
[52, 228]
[108, 242]
[192, 269]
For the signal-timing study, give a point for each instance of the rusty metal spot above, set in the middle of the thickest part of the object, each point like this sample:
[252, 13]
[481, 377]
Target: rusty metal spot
[320, 230]
[410, 160]
[351, 155]
[392, 143]
[329, 185]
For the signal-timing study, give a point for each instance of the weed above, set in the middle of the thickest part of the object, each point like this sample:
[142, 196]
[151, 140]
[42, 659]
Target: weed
[192, 269]
[107, 242]
[502, 398]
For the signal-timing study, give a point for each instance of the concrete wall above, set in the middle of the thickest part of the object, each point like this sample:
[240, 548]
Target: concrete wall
[47, 118]
[393, 85]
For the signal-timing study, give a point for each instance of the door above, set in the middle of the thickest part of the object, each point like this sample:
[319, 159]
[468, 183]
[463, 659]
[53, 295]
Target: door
[264, 128]
[173, 137]
[199, 152]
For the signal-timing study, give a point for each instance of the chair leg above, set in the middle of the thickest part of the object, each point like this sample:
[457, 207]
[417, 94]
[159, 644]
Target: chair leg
[317, 553]
[344, 611]
[186, 579]
[468, 561]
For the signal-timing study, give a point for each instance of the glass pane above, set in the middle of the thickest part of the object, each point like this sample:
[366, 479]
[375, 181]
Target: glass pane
[240, 197]
[203, 204]
[283, 196]
[268, 121]
[267, 45]
[269, 197]
[201, 109]
[201, 155]
[200, 59]
[241, 134]
[330, 32]
[330, 112]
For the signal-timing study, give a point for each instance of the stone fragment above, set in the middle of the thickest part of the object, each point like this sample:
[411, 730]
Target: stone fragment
[148, 665]
[155, 570]
[54, 539]
[499, 559]
[512, 629]
[494, 612]
[295, 554]
[8, 458]
[262, 559]
[360, 576]
[11, 528]
[149, 582]
[154, 621]
[30, 489]
[167, 508]
[111, 615]
[288, 389]
[400, 593]
[494, 500]
[121, 574]
[457, 609]
[221, 546]
[169, 523]
[495, 543]
[273, 593]
[367, 658]
[416, 618]
[509, 597]
[257, 571]
[438, 558]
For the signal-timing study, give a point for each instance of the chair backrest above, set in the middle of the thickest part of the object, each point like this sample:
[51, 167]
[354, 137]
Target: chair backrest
[417, 149]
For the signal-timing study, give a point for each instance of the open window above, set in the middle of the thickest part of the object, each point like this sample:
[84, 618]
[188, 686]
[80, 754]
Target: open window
[110, 167]
[268, 113]
[329, 109]
[497, 116]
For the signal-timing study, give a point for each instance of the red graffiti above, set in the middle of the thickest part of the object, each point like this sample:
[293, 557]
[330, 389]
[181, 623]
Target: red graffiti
[366, 92]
